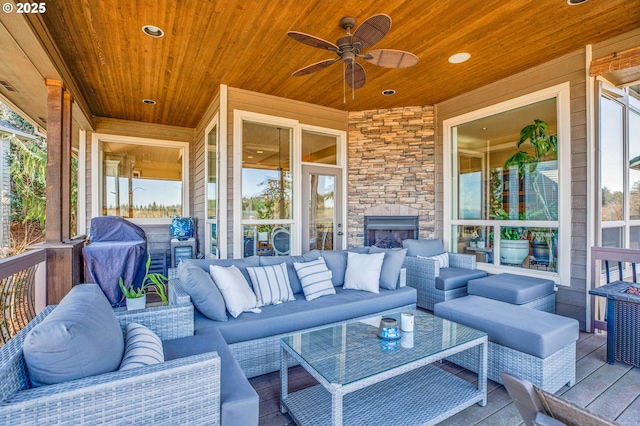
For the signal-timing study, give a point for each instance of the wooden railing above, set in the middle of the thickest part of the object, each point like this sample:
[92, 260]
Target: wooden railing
[22, 291]
[610, 264]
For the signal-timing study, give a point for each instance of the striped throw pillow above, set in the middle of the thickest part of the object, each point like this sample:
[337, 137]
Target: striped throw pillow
[271, 284]
[142, 347]
[442, 259]
[315, 278]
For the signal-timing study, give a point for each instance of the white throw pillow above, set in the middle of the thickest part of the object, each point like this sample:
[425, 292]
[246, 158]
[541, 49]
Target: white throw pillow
[363, 272]
[235, 289]
[315, 278]
[442, 259]
[143, 347]
[271, 284]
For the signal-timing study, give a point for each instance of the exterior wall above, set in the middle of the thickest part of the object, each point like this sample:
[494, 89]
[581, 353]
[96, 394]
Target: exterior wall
[5, 191]
[391, 161]
[572, 299]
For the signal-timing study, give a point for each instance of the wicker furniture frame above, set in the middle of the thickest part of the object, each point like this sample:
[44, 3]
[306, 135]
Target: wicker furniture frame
[550, 373]
[181, 391]
[545, 304]
[422, 273]
[261, 356]
[409, 391]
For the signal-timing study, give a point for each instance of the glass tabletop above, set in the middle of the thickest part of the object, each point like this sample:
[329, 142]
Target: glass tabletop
[351, 352]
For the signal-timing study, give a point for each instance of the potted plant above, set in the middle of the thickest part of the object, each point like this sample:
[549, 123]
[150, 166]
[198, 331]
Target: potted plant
[543, 244]
[152, 283]
[514, 244]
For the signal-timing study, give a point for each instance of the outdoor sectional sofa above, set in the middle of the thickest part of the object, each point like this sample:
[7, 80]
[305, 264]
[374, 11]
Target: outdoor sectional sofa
[250, 343]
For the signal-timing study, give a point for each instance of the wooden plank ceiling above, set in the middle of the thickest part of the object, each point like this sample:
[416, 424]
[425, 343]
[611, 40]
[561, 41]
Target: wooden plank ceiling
[244, 44]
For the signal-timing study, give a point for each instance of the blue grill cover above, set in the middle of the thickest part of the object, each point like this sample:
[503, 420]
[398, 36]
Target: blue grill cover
[117, 248]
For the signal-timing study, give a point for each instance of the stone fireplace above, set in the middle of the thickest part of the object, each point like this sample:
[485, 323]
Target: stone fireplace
[389, 231]
[391, 173]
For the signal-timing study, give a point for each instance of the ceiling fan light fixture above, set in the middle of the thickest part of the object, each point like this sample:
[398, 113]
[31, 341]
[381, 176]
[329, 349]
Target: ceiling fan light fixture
[389, 92]
[152, 31]
[459, 58]
[149, 101]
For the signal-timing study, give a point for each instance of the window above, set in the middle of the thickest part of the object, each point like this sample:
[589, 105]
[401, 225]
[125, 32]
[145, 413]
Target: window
[619, 167]
[267, 189]
[140, 179]
[504, 195]
[212, 167]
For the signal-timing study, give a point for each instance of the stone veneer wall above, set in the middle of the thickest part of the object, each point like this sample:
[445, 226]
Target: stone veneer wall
[391, 160]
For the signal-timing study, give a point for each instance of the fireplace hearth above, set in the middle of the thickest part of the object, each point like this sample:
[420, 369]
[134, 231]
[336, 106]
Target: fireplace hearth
[389, 231]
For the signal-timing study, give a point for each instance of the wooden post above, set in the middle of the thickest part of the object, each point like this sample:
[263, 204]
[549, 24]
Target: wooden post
[55, 105]
[64, 256]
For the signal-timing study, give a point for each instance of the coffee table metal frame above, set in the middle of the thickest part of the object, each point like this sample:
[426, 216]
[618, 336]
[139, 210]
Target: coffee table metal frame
[338, 391]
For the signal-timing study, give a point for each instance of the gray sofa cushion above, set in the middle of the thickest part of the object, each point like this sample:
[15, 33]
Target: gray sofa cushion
[296, 287]
[426, 247]
[241, 264]
[337, 263]
[239, 402]
[511, 288]
[526, 330]
[204, 293]
[300, 314]
[81, 337]
[451, 278]
[391, 266]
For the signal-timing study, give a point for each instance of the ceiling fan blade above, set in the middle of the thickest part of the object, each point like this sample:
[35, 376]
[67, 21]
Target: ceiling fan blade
[354, 75]
[372, 30]
[312, 41]
[314, 67]
[390, 58]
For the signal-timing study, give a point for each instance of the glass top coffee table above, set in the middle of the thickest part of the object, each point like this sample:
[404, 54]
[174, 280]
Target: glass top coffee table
[367, 380]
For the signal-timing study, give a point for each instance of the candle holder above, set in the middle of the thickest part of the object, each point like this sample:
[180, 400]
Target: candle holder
[389, 329]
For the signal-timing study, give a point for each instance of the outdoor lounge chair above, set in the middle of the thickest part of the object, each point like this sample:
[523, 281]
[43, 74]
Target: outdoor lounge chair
[538, 407]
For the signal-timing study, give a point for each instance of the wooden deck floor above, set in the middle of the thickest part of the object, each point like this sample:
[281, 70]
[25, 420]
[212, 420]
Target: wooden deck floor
[613, 391]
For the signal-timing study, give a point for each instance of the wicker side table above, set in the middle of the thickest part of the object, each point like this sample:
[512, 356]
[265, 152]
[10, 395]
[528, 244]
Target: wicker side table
[623, 322]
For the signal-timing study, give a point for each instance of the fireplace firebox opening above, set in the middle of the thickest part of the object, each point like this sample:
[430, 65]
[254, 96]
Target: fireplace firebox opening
[389, 231]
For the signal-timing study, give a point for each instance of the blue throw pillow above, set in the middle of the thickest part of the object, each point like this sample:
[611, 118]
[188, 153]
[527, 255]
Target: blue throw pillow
[294, 281]
[391, 266]
[337, 263]
[204, 293]
[423, 247]
[81, 337]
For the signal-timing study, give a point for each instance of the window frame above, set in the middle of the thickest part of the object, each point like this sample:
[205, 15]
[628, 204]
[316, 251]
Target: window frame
[561, 92]
[96, 176]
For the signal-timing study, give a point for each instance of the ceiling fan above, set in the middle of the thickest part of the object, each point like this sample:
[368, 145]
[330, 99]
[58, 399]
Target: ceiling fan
[350, 46]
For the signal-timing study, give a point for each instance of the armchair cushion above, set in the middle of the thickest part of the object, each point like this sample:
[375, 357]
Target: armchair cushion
[442, 258]
[65, 345]
[205, 295]
[391, 266]
[451, 278]
[423, 247]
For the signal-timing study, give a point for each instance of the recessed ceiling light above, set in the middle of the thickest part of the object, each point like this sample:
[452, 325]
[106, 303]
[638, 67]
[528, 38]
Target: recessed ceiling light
[259, 152]
[484, 128]
[249, 156]
[575, 2]
[149, 101]
[389, 92]
[152, 31]
[458, 58]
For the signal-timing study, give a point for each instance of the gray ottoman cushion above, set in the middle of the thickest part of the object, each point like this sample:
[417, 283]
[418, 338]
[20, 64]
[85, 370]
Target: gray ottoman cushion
[526, 330]
[239, 402]
[81, 337]
[425, 247]
[451, 278]
[511, 288]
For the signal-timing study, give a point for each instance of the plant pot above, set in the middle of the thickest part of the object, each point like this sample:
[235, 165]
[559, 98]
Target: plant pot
[137, 303]
[480, 244]
[540, 252]
[473, 244]
[513, 252]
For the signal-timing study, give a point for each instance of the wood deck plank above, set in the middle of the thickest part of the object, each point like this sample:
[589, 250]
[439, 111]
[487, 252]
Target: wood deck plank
[612, 402]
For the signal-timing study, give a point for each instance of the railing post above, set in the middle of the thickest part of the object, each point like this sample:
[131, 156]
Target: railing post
[41, 287]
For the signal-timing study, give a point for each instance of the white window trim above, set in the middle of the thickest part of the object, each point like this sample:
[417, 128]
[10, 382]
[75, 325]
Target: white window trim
[562, 94]
[239, 116]
[221, 180]
[96, 138]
